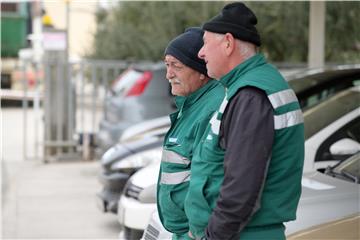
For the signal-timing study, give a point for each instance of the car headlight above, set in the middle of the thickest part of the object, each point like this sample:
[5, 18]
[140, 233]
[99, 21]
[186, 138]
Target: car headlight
[138, 160]
[131, 190]
[144, 195]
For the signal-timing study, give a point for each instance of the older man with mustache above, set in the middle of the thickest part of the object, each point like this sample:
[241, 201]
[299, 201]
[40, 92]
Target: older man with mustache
[197, 98]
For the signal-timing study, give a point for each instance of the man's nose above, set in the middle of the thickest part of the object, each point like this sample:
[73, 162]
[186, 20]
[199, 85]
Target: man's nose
[169, 74]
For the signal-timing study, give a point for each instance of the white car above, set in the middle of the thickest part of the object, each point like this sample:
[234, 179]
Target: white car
[332, 132]
[138, 202]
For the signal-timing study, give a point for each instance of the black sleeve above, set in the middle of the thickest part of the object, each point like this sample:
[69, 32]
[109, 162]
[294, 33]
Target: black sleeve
[246, 134]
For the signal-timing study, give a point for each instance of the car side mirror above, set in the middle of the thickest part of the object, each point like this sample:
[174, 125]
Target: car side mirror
[345, 146]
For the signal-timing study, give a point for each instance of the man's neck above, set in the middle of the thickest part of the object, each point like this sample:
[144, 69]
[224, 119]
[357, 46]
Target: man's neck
[236, 60]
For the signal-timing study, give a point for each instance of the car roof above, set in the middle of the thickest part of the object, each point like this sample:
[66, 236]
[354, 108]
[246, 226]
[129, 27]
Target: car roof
[315, 76]
[313, 79]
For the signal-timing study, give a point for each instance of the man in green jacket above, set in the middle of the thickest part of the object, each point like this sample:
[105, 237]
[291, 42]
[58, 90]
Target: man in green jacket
[197, 98]
[246, 173]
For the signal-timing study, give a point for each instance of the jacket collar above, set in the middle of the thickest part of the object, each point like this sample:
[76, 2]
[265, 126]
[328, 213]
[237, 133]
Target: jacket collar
[232, 76]
[183, 103]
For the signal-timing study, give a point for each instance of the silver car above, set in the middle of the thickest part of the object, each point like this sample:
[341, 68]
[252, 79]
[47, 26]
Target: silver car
[140, 93]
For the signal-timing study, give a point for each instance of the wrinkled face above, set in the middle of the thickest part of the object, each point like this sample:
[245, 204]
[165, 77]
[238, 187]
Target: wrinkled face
[184, 80]
[213, 54]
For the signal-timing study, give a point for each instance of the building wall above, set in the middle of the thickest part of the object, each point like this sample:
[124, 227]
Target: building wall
[82, 22]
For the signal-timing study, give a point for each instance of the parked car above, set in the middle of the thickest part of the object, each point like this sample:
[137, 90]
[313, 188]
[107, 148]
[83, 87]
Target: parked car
[139, 147]
[114, 177]
[332, 133]
[139, 93]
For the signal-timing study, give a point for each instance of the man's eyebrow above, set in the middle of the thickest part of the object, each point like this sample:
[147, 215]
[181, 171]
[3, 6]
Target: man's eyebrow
[172, 62]
[175, 61]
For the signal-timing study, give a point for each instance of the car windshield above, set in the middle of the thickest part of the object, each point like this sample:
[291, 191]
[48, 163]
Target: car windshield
[350, 168]
[330, 110]
[315, 85]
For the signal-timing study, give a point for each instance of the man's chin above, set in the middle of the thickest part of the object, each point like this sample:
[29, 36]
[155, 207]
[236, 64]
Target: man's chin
[173, 92]
[177, 93]
[211, 75]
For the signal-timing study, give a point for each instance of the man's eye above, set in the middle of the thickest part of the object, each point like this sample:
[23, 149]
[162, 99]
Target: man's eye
[177, 67]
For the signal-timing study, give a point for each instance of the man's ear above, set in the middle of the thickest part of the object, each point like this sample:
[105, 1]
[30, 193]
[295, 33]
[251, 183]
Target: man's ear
[202, 76]
[230, 43]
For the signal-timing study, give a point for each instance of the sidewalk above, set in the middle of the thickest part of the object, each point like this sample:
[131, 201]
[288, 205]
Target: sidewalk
[48, 201]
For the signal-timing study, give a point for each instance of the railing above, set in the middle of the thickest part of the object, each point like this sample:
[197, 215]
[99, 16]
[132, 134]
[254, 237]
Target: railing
[68, 101]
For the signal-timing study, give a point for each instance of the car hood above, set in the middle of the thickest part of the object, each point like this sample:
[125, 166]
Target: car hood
[324, 199]
[146, 126]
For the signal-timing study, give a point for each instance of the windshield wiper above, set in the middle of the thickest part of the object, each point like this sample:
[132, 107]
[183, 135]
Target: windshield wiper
[330, 171]
[351, 176]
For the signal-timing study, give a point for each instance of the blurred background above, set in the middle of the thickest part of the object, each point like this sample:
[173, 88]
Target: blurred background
[80, 77]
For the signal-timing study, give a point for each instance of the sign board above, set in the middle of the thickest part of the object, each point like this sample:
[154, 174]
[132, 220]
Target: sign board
[54, 41]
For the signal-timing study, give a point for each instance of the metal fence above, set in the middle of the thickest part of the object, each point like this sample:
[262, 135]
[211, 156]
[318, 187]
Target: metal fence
[68, 104]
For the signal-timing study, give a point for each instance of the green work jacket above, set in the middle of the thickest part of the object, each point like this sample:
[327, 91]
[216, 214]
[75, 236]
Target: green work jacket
[187, 127]
[282, 187]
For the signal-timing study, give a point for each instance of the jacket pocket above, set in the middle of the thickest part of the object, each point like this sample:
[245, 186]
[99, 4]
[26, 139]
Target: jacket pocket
[171, 202]
[197, 208]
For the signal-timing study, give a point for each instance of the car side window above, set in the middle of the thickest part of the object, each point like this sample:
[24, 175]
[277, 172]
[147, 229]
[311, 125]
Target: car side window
[350, 130]
[324, 91]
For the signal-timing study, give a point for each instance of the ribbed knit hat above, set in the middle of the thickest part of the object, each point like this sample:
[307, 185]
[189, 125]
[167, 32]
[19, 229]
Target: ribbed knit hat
[185, 48]
[237, 19]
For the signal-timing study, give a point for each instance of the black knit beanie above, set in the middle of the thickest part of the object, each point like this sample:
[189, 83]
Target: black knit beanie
[237, 19]
[185, 48]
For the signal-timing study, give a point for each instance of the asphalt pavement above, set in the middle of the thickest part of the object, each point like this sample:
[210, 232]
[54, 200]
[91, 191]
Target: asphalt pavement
[47, 201]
